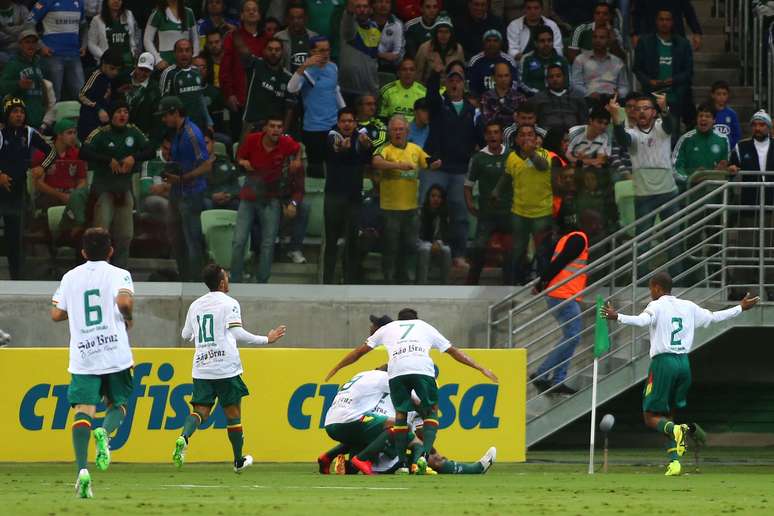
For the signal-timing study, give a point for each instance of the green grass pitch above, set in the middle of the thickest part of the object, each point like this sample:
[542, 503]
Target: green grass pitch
[740, 481]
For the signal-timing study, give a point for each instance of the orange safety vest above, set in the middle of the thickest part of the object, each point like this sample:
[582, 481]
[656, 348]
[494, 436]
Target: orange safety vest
[573, 287]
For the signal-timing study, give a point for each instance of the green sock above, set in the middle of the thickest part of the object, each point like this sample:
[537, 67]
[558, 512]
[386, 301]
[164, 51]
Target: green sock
[672, 449]
[430, 428]
[417, 450]
[81, 433]
[371, 452]
[399, 433]
[665, 426]
[192, 422]
[450, 467]
[113, 418]
[234, 427]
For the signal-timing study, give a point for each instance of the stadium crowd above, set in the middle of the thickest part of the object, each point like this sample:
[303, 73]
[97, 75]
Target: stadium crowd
[446, 134]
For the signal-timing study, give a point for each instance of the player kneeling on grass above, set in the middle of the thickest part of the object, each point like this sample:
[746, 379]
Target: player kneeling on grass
[408, 342]
[672, 323]
[96, 300]
[214, 323]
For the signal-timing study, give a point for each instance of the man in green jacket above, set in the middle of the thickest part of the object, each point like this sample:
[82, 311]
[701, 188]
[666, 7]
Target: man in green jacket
[702, 148]
[113, 151]
[22, 77]
[533, 65]
[143, 95]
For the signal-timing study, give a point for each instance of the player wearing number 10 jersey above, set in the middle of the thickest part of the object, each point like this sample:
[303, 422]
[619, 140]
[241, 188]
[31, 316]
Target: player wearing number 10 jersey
[214, 323]
[96, 300]
[671, 322]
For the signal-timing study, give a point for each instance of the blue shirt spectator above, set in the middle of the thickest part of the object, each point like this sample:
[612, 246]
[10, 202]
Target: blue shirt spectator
[189, 150]
[61, 21]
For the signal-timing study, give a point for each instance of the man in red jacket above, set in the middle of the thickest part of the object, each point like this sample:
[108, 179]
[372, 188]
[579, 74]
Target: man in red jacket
[233, 78]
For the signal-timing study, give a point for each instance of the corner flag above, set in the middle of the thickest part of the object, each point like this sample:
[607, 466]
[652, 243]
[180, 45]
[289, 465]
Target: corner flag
[601, 337]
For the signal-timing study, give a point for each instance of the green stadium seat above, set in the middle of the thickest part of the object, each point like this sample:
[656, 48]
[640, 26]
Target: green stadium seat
[54, 214]
[67, 109]
[624, 198]
[218, 230]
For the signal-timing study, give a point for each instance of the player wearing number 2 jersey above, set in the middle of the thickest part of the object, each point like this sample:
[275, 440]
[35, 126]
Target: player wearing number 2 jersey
[408, 342]
[214, 324]
[96, 300]
[672, 322]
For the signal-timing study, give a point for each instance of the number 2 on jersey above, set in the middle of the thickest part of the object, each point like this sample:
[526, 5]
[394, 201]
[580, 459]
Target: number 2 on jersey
[206, 328]
[677, 323]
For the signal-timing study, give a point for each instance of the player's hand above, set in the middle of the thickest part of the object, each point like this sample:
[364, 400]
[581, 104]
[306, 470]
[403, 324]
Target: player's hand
[748, 302]
[608, 312]
[277, 333]
[489, 374]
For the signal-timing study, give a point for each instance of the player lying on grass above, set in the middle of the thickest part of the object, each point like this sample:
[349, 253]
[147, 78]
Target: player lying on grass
[214, 323]
[672, 322]
[408, 342]
[96, 300]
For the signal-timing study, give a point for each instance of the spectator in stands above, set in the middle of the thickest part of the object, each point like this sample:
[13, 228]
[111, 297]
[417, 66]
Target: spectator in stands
[528, 176]
[434, 234]
[97, 94]
[559, 105]
[22, 77]
[399, 163]
[170, 22]
[726, 119]
[267, 92]
[525, 115]
[322, 16]
[115, 27]
[500, 103]
[487, 166]
[533, 66]
[115, 151]
[620, 161]
[58, 182]
[233, 77]
[599, 72]
[215, 19]
[442, 48]
[392, 44]
[143, 95]
[369, 123]
[407, 9]
[590, 144]
[359, 49]
[316, 80]
[481, 67]
[398, 97]
[453, 136]
[213, 99]
[557, 142]
[644, 15]
[701, 149]
[17, 140]
[271, 26]
[262, 156]
[14, 19]
[222, 179]
[420, 29]
[213, 53]
[348, 152]
[419, 129]
[582, 38]
[296, 37]
[186, 175]
[523, 31]
[664, 62]
[472, 26]
[183, 80]
[62, 47]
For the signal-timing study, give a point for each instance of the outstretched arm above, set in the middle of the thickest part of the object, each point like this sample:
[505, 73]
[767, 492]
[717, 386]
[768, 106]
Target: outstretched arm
[243, 336]
[462, 357]
[705, 317]
[641, 321]
[352, 357]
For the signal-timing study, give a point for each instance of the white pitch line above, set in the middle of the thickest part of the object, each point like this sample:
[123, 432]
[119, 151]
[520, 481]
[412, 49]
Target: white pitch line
[198, 486]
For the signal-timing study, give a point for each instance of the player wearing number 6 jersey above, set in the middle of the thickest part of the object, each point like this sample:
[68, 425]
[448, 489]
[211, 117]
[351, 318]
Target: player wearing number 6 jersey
[408, 342]
[214, 324]
[96, 300]
[671, 322]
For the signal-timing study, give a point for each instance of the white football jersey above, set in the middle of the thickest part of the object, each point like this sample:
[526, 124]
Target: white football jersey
[359, 396]
[408, 345]
[207, 323]
[99, 343]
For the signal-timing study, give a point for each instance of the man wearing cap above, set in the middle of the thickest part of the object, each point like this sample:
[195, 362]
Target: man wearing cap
[113, 151]
[97, 94]
[185, 174]
[481, 66]
[143, 95]
[17, 139]
[476, 22]
[184, 81]
[22, 77]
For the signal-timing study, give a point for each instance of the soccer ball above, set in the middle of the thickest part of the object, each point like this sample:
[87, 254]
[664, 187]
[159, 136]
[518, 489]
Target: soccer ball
[607, 423]
[5, 339]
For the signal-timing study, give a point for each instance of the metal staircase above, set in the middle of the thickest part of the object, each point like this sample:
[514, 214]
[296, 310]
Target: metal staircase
[715, 248]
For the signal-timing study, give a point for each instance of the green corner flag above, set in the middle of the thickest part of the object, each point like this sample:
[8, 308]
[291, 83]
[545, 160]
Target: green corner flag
[601, 337]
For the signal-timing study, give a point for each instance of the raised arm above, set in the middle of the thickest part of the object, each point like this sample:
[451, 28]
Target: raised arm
[243, 336]
[351, 357]
[705, 317]
[641, 321]
[463, 358]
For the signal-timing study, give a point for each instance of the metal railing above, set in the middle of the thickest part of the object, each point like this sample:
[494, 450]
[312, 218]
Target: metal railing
[715, 247]
[747, 29]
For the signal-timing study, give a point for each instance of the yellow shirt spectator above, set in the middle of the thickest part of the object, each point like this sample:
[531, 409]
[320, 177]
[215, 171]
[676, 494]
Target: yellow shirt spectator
[532, 192]
[399, 189]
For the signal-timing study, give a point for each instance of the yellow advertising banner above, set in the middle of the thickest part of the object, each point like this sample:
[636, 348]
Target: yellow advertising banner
[282, 417]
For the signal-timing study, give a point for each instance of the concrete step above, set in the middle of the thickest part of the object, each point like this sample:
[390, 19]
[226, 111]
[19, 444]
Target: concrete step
[742, 95]
[707, 76]
[703, 9]
[715, 59]
[713, 43]
[712, 26]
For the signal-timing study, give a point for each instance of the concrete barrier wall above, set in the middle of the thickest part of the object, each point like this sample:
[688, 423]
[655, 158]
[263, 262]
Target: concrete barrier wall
[317, 316]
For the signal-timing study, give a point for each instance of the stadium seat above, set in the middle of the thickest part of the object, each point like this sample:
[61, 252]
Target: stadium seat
[624, 198]
[67, 109]
[54, 214]
[218, 230]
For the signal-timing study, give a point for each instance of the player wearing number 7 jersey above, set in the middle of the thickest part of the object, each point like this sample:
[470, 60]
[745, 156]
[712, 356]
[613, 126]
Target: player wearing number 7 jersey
[671, 322]
[96, 300]
[408, 342]
[214, 323]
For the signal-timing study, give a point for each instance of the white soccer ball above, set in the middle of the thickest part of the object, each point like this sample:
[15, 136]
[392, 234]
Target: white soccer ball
[607, 423]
